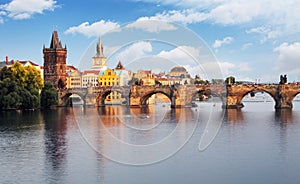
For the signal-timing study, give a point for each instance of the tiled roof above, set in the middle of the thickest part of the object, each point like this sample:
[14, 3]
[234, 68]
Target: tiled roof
[24, 62]
[95, 72]
[71, 67]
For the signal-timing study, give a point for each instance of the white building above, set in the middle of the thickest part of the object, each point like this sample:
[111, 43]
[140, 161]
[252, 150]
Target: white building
[123, 74]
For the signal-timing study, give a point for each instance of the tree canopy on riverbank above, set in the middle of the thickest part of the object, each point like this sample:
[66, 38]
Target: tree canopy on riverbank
[49, 95]
[20, 87]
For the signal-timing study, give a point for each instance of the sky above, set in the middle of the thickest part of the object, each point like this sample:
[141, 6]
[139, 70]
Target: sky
[254, 40]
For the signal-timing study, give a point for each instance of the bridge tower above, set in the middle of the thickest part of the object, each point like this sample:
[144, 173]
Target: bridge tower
[55, 62]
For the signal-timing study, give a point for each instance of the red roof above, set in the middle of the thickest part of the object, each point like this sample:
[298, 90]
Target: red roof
[71, 67]
[96, 72]
[167, 79]
[24, 62]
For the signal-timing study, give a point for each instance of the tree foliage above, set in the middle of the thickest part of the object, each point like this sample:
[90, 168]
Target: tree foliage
[49, 95]
[20, 87]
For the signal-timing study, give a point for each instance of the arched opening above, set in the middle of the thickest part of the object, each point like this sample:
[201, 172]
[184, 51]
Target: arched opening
[296, 102]
[156, 98]
[205, 98]
[258, 100]
[112, 98]
[73, 99]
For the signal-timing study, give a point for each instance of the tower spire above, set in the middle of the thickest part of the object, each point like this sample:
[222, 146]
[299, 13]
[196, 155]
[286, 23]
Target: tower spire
[55, 43]
[100, 48]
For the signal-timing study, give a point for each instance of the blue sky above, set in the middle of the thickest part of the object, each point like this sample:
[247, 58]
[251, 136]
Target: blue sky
[251, 40]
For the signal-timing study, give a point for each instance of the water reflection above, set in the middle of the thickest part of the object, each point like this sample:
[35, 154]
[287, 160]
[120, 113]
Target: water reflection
[234, 116]
[129, 134]
[284, 116]
[55, 142]
[256, 145]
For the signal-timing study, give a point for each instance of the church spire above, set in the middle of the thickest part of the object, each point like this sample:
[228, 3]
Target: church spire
[100, 48]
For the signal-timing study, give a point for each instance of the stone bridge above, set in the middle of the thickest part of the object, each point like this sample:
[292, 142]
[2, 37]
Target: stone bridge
[282, 94]
[182, 95]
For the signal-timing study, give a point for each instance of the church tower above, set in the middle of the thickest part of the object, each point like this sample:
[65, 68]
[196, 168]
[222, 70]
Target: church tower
[55, 62]
[99, 60]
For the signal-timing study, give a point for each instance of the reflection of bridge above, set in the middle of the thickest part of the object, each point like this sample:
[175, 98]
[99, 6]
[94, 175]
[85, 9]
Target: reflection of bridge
[182, 95]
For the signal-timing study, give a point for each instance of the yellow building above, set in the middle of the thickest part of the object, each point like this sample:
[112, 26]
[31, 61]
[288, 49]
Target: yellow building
[110, 78]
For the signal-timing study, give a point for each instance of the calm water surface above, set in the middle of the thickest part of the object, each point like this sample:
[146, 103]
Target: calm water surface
[74, 145]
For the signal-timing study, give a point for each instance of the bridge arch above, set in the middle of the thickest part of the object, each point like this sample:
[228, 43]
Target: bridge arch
[100, 99]
[146, 96]
[66, 97]
[292, 97]
[257, 90]
[210, 93]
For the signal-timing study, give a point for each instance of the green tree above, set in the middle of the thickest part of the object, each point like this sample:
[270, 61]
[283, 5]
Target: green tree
[20, 87]
[49, 95]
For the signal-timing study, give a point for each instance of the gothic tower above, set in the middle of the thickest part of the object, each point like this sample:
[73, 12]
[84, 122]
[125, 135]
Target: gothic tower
[55, 62]
[99, 60]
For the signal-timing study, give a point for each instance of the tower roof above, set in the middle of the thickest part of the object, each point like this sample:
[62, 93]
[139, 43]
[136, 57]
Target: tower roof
[55, 42]
[120, 66]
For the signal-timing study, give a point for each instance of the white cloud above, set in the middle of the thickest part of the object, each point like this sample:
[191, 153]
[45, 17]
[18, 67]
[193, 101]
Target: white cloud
[24, 9]
[219, 43]
[246, 46]
[289, 57]
[152, 26]
[280, 15]
[212, 70]
[243, 67]
[188, 16]
[226, 67]
[236, 12]
[267, 33]
[181, 55]
[135, 51]
[184, 3]
[220, 69]
[98, 28]
[161, 21]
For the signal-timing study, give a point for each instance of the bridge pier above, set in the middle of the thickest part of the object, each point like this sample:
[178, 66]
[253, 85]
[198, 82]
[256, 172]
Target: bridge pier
[233, 102]
[135, 101]
[285, 95]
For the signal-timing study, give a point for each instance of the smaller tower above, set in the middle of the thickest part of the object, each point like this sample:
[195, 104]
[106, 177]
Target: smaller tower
[120, 66]
[99, 60]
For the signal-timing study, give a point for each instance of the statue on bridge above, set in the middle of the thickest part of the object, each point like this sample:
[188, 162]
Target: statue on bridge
[283, 79]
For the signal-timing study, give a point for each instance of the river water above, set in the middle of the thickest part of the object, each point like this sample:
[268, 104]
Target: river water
[116, 144]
